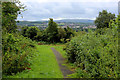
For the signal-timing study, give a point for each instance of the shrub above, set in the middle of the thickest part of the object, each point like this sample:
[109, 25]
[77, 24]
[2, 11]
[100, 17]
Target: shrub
[32, 32]
[95, 54]
[16, 51]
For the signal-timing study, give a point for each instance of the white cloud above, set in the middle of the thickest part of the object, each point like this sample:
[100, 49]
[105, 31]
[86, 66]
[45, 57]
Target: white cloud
[66, 18]
[42, 10]
[40, 1]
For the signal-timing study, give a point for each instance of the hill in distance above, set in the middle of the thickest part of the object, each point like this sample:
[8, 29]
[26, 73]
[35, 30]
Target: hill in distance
[76, 20]
[62, 21]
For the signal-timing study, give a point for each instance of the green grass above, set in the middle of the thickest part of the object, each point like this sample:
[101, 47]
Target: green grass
[44, 65]
[61, 51]
[59, 48]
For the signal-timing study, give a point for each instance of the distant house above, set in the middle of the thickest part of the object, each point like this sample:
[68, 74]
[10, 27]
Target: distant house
[64, 26]
[90, 27]
[37, 26]
[30, 25]
[77, 26]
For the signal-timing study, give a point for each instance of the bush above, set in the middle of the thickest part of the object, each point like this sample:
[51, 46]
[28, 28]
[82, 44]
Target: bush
[32, 32]
[95, 54]
[16, 51]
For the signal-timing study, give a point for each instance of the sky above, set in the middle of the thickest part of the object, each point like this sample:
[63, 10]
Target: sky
[66, 9]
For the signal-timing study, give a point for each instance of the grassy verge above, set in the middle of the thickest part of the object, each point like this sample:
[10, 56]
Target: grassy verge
[44, 65]
[71, 66]
[59, 48]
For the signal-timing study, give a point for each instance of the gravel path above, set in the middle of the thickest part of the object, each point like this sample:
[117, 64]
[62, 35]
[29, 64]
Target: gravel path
[64, 69]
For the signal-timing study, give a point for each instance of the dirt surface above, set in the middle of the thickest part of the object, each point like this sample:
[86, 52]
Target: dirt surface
[61, 61]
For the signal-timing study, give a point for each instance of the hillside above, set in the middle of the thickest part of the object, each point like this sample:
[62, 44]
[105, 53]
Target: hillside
[59, 21]
[76, 20]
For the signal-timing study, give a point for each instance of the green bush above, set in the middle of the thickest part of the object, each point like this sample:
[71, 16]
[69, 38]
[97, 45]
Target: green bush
[32, 32]
[95, 54]
[16, 51]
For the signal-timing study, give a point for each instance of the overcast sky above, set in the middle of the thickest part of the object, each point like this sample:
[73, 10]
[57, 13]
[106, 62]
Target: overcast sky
[65, 9]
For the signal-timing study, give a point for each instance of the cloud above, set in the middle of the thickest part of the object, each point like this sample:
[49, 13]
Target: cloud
[40, 1]
[41, 9]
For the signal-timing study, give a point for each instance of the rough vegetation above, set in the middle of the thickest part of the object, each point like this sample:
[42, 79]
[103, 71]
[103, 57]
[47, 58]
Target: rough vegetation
[16, 49]
[95, 53]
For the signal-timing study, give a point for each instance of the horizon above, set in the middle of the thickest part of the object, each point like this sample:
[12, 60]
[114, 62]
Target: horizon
[60, 19]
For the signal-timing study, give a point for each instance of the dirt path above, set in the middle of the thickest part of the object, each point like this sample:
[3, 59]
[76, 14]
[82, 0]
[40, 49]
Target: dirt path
[64, 69]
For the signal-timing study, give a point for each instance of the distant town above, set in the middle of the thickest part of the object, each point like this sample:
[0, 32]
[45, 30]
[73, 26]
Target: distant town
[74, 24]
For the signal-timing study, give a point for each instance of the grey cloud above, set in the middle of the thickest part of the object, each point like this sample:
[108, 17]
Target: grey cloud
[38, 11]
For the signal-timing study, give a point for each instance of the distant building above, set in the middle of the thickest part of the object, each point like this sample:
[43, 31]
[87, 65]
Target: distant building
[77, 26]
[118, 7]
[89, 27]
[30, 25]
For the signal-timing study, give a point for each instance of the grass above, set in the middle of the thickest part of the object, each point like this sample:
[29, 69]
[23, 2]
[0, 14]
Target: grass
[44, 65]
[71, 66]
[59, 48]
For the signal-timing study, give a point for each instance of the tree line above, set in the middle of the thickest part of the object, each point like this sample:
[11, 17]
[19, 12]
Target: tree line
[53, 33]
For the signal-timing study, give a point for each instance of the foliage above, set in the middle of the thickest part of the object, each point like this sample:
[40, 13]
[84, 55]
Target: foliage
[52, 34]
[32, 32]
[44, 36]
[24, 31]
[103, 19]
[39, 36]
[95, 54]
[61, 33]
[16, 51]
[69, 33]
[118, 22]
[10, 11]
[52, 31]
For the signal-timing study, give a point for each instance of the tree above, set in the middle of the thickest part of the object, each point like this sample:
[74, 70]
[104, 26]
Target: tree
[52, 31]
[103, 19]
[32, 32]
[119, 21]
[61, 34]
[24, 31]
[39, 36]
[10, 11]
[69, 32]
